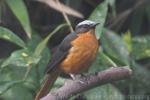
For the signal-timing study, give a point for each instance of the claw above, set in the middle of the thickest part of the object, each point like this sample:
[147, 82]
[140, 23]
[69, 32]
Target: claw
[72, 76]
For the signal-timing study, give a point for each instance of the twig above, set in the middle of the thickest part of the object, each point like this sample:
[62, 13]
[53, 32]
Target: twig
[68, 10]
[65, 16]
[73, 87]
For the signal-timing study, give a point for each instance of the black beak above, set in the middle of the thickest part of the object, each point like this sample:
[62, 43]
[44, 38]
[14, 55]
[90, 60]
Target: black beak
[94, 25]
[97, 24]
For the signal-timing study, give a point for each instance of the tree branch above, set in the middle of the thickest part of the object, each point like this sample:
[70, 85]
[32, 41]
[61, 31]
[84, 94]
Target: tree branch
[73, 87]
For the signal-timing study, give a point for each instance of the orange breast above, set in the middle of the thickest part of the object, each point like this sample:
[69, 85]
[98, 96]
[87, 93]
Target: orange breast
[81, 55]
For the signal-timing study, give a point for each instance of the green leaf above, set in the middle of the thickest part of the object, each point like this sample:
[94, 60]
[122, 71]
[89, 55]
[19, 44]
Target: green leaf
[10, 36]
[45, 58]
[24, 58]
[32, 43]
[18, 92]
[43, 43]
[11, 73]
[114, 45]
[141, 47]
[127, 38]
[109, 60]
[99, 15]
[19, 9]
[4, 86]
[41, 46]
[106, 92]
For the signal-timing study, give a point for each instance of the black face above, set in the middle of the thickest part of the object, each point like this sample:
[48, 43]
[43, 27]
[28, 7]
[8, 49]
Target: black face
[85, 28]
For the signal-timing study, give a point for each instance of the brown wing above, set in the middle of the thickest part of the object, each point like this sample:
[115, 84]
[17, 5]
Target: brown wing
[61, 52]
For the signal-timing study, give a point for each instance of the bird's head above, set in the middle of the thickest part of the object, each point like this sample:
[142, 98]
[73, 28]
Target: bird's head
[86, 26]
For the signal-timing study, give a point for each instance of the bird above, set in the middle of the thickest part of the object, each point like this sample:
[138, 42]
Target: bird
[73, 56]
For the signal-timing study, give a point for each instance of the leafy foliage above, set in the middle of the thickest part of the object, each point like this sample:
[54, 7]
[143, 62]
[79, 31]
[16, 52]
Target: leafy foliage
[22, 58]
[141, 47]
[115, 47]
[10, 36]
[99, 15]
[19, 9]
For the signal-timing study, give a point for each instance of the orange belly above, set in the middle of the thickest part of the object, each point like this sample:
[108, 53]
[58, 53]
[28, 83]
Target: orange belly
[81, 55]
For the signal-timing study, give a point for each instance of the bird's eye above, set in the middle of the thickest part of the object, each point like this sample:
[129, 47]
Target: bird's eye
[85, 26]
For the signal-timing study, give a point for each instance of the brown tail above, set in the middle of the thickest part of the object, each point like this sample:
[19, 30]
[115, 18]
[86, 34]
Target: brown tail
[47, 84]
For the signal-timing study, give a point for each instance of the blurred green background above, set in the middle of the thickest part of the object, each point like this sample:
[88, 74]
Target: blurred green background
[30, 31]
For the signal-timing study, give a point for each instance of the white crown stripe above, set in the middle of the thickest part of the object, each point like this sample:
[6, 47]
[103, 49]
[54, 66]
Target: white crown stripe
[86, 22]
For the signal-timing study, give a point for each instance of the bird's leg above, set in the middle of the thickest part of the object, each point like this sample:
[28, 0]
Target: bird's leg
[72, 76]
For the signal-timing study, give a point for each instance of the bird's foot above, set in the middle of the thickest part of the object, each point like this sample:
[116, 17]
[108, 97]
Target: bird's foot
[72, 76]
[78, 78]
